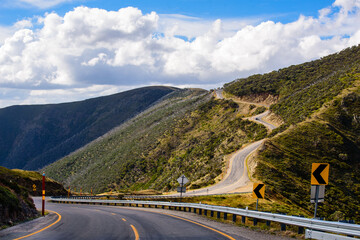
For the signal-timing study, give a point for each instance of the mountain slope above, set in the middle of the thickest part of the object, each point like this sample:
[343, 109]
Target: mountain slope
[185, 134]
[333, 137]
[319, 102]
[34, 136]
[303, 88]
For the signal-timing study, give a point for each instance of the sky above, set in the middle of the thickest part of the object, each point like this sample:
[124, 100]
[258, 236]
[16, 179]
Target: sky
[54, 51]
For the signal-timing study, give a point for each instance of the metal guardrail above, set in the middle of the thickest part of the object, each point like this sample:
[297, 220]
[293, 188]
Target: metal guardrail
[314, 224]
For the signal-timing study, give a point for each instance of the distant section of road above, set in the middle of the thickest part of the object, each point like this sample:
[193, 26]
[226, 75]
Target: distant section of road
[218, 93]
[237, 175]
[259, 119]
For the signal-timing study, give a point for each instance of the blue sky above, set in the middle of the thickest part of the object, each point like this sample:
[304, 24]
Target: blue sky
[277, 10]
[55, 51]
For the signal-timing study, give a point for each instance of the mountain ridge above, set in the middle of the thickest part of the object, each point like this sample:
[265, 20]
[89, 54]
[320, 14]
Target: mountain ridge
[34, 136]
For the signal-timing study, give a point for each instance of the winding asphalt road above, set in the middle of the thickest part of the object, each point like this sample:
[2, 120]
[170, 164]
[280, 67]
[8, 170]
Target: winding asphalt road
[93, 222]
[259, 119]
[237, 176]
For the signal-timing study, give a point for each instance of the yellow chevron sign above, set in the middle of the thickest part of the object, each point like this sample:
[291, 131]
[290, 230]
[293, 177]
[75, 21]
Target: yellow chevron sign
[320, 174]
[258, 190]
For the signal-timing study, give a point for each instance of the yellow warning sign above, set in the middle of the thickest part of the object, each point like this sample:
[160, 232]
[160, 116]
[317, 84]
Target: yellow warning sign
[320, 174]
[258, 190]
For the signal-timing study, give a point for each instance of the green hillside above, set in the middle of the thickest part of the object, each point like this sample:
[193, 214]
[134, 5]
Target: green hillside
[16, 186]
[304, 88]
[320, 105]
[34, 136]
[332, 137]
[188, 133]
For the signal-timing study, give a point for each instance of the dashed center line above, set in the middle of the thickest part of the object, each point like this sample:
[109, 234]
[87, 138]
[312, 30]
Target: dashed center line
[124, 219]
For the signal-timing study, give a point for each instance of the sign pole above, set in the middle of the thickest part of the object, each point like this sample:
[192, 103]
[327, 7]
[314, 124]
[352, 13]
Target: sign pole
[316, 199]
[43, 194]
[257, 203]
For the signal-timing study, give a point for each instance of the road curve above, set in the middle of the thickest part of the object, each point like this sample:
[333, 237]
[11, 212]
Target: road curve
[90, 222]
[237, 175]
[219, 94]
[259, 119]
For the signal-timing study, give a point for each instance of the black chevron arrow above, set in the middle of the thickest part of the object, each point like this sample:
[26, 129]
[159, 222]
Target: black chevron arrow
[257, 189]
[317, 173]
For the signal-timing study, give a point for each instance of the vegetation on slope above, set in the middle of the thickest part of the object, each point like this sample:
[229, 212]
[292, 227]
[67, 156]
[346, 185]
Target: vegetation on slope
[156, 148]
[99, 163]
[16, 186]
[320, 105]
[332, 137]
[304, 88]
[34, 136]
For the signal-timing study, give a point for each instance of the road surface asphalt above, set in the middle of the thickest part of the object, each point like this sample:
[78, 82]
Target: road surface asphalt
[109, 222]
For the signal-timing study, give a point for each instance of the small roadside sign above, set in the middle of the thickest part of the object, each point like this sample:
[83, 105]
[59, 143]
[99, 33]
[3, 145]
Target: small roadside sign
[320, 174]
[182, 180]
[321, 193]
[181, 189]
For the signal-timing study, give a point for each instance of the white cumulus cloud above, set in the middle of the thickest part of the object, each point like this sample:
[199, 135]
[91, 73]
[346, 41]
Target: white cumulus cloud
[95, 50]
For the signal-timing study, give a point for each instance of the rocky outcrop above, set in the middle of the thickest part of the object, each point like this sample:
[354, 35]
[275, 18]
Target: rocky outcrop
[15, 207]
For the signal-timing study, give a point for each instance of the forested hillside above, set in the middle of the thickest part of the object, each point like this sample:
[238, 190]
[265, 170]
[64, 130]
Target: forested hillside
[188, 133]
[319, 102]
[37, 135]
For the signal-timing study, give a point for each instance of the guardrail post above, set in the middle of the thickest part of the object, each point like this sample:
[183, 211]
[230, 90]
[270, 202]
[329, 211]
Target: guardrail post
[200, 211]
[255, 221]
[234, 218]
[163, 207]
[143, 205]
[301, 230]
[137, 205]
[205, 212]
[225, 216]
[211, 213]
[155, 206]
[243, 219]
[283, 226]
[268, 223]
[194, 210]
[218, 215]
